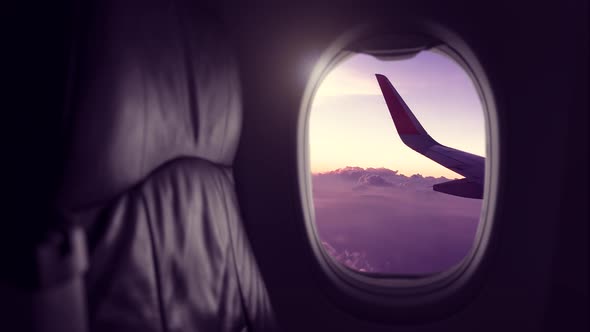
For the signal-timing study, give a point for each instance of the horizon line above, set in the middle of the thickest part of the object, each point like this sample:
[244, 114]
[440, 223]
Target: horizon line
[397, 172]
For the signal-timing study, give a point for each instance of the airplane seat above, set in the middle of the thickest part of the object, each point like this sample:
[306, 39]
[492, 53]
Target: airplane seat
[155, 119]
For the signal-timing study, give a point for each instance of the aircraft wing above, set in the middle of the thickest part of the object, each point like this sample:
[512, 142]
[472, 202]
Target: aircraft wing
[471, 166]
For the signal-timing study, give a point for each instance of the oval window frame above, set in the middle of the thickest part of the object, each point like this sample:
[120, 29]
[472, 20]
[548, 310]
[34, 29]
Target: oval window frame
[404, 298]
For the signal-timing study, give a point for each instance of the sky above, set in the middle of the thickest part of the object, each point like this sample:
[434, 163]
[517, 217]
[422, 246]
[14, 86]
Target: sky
[351, 126]
[374, 206]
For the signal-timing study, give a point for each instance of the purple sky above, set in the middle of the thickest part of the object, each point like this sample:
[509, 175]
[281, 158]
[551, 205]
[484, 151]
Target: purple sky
[350, 123]
[385, 217]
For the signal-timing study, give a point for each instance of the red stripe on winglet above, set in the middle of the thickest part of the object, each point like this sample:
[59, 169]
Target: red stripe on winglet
[402, 121]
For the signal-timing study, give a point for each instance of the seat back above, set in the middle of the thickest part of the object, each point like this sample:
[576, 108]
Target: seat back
[155, 118]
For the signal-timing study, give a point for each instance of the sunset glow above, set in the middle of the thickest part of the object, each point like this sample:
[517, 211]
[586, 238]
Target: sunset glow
[351, 126]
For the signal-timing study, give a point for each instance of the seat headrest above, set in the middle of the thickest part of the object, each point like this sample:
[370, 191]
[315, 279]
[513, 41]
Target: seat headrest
[152, 82]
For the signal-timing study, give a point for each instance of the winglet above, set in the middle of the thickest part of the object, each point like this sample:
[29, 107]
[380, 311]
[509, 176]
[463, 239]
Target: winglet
[404, 120]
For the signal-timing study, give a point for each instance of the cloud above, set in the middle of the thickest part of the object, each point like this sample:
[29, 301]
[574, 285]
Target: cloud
[354, 260]
[381, 177]
[368, 180]
[378, 220]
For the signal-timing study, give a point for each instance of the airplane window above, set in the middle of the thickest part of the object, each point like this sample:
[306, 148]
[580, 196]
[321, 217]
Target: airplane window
[397, 155]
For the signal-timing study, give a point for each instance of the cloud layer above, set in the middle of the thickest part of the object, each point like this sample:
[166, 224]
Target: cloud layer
[377, 220]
